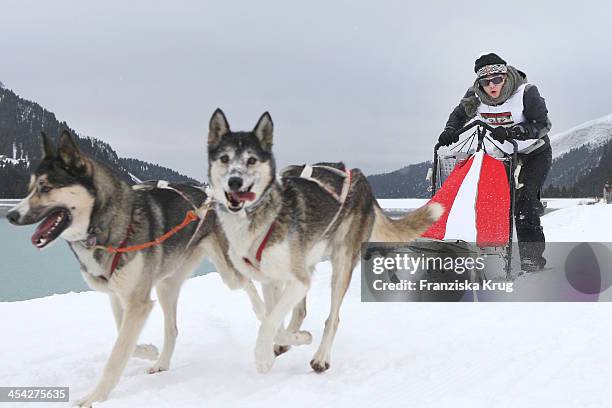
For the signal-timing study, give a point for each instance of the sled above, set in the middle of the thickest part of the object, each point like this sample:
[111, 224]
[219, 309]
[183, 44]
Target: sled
[477, 191]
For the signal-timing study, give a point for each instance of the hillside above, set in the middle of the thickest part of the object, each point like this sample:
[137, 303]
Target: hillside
[21, 122]
[408, 181]
[582, 160]
[591, 134]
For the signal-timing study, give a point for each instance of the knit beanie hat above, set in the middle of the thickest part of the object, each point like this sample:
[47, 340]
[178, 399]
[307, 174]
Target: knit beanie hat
[489, 64]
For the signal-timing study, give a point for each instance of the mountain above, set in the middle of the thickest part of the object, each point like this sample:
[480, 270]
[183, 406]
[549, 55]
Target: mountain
[21, 122]
[582, 164]
[589, 134]
[580, 159]
[408, 181]
[581, 172]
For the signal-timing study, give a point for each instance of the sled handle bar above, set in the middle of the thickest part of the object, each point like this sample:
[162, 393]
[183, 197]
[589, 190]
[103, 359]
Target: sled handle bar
[481, 134]
[481, 124]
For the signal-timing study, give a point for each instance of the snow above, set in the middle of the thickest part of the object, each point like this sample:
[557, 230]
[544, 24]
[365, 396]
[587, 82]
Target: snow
[558, 203]
[385, 354]
[17, 157]
[11, 160]
[594, 133]
[580, 223]
[134, 178]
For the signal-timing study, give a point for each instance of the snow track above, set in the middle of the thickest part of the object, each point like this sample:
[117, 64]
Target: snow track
[386, 354]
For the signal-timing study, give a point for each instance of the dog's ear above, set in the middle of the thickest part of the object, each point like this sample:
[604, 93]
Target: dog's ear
[47, 149]
[217, 128]
[264, 129]
[70, 154]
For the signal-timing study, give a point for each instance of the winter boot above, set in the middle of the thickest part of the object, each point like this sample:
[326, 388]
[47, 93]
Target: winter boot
[532, 265]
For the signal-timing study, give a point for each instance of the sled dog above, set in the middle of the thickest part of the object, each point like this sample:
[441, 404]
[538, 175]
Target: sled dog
[278, 229]
[85, 203]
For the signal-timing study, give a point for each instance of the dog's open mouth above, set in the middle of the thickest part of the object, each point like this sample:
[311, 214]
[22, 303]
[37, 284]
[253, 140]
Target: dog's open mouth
[51, 227]
[236, 199]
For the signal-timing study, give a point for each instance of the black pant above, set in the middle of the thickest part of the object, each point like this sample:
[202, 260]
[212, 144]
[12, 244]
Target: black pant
[528, 208]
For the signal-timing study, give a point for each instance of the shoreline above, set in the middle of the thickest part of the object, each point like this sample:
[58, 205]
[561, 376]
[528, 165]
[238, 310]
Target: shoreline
[6, 205]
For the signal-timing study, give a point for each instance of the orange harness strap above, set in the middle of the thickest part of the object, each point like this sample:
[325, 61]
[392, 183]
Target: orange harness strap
[189, 218]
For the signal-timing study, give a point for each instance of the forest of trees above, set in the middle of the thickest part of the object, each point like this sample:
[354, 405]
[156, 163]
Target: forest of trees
[588, 181]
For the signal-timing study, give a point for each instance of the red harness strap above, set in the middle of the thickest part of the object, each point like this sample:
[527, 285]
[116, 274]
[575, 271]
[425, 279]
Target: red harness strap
[117, 256]
[262, 246]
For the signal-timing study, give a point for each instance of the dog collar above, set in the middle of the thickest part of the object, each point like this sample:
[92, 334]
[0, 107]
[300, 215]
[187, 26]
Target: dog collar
[251, 208]
[92, 238]
[90, 241]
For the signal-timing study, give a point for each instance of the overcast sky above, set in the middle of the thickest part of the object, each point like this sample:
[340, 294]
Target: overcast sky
[367, 82]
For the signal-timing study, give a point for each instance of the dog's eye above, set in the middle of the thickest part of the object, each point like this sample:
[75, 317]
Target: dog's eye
[224, 158]
[251, 161]
[45, 189]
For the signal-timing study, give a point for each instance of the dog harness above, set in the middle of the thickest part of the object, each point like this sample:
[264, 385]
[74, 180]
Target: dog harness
[261, 247]
[306, 174]
[191, 216]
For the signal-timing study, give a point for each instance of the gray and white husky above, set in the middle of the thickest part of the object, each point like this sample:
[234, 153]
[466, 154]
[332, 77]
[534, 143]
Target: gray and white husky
[85, 203]
[278, 229]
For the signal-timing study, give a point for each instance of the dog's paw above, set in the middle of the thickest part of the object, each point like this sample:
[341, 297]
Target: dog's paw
[319, 365]
[265, 365]
[157, 368]
[278, 349]
[88, 401]
[320, 361]
[84, 403]
[146, 351]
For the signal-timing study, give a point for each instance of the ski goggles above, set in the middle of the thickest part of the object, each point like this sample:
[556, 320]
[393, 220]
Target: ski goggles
[496, 80]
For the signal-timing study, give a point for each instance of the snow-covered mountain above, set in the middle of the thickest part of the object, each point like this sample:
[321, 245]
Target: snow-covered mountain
[21, 122]
[592, 134]
[581, 159]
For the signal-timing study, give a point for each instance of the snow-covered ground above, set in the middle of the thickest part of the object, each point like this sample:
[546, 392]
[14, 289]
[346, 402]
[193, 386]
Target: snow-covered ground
[579, 223]
[386, 354]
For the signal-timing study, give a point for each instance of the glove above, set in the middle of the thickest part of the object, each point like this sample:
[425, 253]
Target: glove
[448, 137]
[500, 134]
[519, 132]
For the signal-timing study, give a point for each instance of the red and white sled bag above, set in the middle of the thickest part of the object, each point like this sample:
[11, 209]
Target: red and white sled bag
[476, 200]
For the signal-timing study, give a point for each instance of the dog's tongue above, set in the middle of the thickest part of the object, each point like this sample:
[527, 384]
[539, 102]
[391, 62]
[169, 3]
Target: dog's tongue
[243, 196]
[45, 226]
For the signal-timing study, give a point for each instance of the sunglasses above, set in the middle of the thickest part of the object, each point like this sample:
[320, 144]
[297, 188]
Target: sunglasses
[484, 82]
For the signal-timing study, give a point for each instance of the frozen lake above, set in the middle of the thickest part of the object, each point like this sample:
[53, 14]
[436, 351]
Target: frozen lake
[27, 273]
